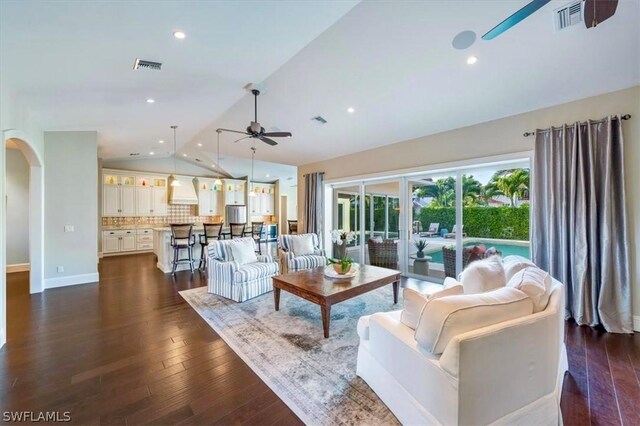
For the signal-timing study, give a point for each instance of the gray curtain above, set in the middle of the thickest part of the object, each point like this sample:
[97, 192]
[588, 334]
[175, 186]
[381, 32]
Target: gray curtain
[579, 224]
[313, 202]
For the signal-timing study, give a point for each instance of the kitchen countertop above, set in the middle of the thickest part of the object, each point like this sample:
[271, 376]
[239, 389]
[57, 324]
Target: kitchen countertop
[196, 227]
[122, 227]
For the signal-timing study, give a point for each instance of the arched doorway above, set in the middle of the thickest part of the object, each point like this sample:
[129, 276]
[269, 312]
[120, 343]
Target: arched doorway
[18, 140]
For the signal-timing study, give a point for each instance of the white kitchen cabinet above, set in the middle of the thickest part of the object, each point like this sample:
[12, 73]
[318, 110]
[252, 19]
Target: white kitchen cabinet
[234, 192]
[126, 240]
[119, 196]
[262, 204]
[151, 196]
[209, 197]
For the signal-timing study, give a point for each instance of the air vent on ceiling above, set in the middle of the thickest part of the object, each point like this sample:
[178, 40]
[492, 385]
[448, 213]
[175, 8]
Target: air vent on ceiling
[198, 160]
[568, 15]
[134, 154]
[147, 65]
[319, 119]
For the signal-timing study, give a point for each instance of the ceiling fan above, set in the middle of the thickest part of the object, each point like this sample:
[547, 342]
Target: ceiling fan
[255, 130]
[595, 12]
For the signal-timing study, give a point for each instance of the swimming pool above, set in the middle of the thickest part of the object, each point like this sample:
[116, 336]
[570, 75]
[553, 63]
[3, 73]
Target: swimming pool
[504, 247]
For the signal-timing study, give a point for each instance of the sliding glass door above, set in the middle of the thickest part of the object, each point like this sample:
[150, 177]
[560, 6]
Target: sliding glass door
[431, 225]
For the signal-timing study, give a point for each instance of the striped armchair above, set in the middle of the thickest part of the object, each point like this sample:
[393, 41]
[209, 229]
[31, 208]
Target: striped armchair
[289, 262]
[237, 282]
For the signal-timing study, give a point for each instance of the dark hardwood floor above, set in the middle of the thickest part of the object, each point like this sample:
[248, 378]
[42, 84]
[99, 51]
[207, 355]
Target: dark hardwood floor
[131, 351]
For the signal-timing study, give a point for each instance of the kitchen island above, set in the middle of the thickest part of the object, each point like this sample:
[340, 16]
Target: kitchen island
[163, 250]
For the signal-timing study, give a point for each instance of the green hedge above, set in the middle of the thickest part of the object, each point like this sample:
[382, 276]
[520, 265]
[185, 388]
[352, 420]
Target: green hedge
[511, 223]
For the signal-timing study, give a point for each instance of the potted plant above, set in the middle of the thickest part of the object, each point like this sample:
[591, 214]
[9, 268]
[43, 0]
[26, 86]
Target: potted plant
[420, 244]
[340, 240]
[341, 266]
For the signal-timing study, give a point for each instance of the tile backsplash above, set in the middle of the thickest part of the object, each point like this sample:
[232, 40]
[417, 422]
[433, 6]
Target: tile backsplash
[176, 214]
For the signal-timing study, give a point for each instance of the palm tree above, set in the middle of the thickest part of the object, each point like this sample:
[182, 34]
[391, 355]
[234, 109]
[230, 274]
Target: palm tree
[513, 184]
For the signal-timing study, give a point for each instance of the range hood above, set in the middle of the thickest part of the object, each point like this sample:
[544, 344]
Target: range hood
[184, 193]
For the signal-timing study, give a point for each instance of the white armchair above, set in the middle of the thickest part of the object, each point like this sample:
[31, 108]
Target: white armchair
[290, 262]
[506, 373]
[227, 278]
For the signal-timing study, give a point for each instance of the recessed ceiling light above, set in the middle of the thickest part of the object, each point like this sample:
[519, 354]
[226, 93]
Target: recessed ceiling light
[472, 60]
[160, 141]
[199, 144]
[350, 110]
[150, 101]
[213, 166]
[151, 153]
[184, 155]
[179, 35]
[268, 175]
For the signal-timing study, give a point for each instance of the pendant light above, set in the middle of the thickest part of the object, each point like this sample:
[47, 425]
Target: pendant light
[253, 154]
[175, 181]
[218, 181]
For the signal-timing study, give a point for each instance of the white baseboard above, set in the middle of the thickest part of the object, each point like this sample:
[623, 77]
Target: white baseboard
[71, 280]
[2, 338]
[636, 323]
[18, 267]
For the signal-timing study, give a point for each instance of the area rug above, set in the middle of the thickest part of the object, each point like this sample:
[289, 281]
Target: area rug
[314, 376]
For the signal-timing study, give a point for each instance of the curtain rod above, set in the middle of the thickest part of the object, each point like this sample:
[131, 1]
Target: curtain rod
[527, 134]
[320, 173]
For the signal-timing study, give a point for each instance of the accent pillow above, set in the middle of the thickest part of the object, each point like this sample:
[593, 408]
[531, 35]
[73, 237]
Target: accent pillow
[483, 275]
[514, 264]
[243, 251]
[536, 283]
[302, 245]
[446, 317]
[414, 303]
[450, 282]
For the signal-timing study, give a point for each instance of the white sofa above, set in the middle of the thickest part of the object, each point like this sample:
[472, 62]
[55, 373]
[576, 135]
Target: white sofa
[507, 373]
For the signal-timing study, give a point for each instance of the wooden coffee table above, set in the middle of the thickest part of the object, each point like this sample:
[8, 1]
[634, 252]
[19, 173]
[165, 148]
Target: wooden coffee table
[313, 286]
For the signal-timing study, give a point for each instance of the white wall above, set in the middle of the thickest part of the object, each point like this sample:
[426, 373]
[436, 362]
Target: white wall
[71, 179]
[13, 116]
[17, 190]
[158, 165]
[504, 136]
[288, 188]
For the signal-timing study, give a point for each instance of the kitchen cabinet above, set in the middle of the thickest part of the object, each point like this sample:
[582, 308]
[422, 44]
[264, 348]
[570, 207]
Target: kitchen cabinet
[234, 192]
[263, 203]
[209, 197]
[151, 196]
[118, 195]
[126, 240]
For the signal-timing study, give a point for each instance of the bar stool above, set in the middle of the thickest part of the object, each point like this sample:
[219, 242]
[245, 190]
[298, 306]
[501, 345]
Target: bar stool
[293, 226]
[212, 232]
[256, 233]
[237, 230]
[182, 238]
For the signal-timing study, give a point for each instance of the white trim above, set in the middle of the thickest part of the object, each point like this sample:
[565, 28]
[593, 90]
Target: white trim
[17, 267]
[71, 280]
[2, 338]
[470, 163]
[636, 323]
[100, 255]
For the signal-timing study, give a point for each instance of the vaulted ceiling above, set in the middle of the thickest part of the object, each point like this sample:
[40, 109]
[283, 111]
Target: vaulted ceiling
[393, 62]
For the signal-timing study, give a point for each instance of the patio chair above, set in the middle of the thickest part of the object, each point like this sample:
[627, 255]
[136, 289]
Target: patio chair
[469, 254]
[433, 230]
[452, 234]
[383, 253]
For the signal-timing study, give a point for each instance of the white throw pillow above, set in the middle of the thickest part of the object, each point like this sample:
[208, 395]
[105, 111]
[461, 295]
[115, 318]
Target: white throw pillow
[450, 282]
[536, 283]
[302, 245]
[414, 303]
[514, 264]
[483, 275]
[243, 251]
[446, 317]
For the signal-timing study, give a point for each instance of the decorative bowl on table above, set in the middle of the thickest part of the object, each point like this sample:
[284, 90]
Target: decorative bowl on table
[335, 271]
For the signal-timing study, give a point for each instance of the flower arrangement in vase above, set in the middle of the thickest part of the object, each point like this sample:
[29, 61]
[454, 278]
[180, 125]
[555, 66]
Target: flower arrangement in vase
[340, 240]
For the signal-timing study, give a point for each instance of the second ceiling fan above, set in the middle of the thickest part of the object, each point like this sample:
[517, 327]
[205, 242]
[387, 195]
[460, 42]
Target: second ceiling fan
[255, 130]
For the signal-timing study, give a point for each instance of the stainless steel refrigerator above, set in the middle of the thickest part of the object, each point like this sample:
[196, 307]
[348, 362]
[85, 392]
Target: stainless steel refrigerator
[235, 214]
